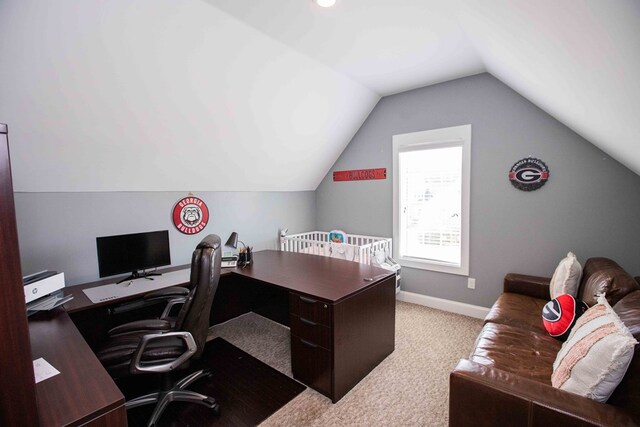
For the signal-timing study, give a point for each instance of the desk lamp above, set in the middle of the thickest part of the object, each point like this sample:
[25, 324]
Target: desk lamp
[232, 241]
[245, 254]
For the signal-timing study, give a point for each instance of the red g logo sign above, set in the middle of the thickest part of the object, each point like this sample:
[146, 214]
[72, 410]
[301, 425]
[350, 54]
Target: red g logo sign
[190, 215]
[529, 174]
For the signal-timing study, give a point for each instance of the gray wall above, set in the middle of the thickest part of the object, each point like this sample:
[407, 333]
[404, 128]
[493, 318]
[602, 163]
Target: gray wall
[57, 231]
[590, 205]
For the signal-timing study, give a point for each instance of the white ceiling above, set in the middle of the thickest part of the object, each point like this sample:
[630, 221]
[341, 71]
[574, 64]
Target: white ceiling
[388, 46]
[264, 95]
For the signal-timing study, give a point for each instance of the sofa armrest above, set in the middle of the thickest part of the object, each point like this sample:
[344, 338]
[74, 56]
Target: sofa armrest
[484, 396]
[533, 286]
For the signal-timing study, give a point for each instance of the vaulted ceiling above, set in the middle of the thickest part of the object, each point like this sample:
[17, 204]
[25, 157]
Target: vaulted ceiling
[263, 95]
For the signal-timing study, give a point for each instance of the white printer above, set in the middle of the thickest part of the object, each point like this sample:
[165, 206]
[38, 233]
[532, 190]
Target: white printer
[42, 291]
[42, 284]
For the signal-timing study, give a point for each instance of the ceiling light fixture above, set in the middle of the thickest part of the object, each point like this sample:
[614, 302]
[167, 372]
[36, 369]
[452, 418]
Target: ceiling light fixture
[325, 3]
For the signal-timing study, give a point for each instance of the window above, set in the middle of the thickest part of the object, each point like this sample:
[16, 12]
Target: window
[431, 180]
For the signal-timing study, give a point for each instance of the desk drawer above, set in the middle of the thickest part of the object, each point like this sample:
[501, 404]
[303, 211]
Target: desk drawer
[310, 309]
[311, 331]
[311, 364]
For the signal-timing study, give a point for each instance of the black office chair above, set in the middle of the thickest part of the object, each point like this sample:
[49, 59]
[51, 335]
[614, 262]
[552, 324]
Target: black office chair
[164, 345]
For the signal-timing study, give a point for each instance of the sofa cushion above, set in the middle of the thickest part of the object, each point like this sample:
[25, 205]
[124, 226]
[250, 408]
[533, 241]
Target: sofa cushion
[519, 351]
[604, 275]
[560, 315]
[518, 310]
[596, 356]
[627, 394]
[566, 278]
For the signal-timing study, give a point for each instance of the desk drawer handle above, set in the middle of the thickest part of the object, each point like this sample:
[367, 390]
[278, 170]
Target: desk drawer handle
[308, 300]
[308, 322]
[308, 344]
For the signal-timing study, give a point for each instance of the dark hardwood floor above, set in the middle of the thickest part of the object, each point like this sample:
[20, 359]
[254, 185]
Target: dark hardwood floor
[247, 390]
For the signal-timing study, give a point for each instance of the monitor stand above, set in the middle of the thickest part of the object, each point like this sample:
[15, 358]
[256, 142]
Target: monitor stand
[138, 275]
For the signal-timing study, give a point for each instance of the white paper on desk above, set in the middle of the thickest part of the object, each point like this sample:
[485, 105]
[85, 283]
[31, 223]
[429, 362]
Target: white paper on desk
[43, 370]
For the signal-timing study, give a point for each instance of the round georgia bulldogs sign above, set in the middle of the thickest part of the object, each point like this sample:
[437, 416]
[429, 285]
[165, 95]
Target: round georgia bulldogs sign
[190, 215]
[529, 174]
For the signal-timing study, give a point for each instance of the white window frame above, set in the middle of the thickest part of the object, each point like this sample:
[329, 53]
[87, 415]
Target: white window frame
[434, 138]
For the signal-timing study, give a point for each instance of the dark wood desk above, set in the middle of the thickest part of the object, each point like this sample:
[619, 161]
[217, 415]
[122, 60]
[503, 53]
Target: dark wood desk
[342, 322]
[83, 393]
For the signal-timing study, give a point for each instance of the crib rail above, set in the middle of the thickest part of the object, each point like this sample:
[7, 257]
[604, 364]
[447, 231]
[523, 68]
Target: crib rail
[317, 242]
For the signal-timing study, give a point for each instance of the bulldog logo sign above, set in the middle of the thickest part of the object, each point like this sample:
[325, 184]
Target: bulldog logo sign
[529, 174]
[190, 215]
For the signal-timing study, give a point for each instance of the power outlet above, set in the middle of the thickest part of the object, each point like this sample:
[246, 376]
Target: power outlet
[471, 284]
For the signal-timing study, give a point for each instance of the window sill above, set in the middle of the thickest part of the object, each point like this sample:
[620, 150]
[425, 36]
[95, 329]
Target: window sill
[434, 266]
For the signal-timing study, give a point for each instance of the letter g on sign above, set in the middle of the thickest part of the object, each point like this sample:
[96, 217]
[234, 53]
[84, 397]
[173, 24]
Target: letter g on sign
[528, 174]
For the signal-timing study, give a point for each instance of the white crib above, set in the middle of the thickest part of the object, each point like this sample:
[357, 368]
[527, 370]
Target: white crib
[364, 249]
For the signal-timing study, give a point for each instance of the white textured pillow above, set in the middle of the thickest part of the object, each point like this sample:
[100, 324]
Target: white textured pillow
[594, 359]
[566, 278]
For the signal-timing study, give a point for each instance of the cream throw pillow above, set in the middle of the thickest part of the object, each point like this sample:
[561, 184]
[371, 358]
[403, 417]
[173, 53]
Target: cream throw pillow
[566, 278]
[594, 359]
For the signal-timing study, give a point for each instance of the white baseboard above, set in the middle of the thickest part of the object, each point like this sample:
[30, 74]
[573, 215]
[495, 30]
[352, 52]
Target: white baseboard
[444, 304]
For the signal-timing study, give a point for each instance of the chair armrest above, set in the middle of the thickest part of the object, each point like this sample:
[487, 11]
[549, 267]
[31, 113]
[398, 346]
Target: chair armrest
[164, 293]
[533, 286]
[150, 325]
[136, 362]
[173, 295]
[484, 396]
[151, 298]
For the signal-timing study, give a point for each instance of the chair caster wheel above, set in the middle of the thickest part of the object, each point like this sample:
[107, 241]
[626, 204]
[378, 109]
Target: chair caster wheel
[216, 409]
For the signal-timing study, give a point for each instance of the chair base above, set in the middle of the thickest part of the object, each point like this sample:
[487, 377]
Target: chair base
[176, 394]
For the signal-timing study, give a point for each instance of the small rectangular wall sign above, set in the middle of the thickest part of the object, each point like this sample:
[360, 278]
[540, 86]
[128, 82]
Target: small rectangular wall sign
[360, 174]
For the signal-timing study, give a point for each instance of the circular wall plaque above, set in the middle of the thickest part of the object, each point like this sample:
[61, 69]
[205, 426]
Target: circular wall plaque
[190, 215]
[529, 174]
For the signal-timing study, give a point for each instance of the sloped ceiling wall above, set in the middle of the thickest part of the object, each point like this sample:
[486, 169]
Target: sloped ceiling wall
[577, 60]
[165, 95]
[245, 95]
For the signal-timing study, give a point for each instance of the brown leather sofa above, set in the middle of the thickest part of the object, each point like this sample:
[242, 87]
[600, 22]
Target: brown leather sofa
[506, 381]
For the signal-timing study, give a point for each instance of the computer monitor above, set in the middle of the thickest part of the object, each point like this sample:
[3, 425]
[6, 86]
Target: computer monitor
[131, 253]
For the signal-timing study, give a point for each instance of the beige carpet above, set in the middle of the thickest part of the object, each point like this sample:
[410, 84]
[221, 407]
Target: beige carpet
[409, 388]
